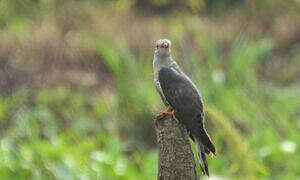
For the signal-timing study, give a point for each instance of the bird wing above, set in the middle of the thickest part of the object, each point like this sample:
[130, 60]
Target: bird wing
[185, 99]
[179, 91]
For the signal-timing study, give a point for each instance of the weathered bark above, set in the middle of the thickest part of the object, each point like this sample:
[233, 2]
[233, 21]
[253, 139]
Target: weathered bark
[176, 159]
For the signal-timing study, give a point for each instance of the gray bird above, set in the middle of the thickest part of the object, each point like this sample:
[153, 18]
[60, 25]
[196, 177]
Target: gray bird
[182, 99]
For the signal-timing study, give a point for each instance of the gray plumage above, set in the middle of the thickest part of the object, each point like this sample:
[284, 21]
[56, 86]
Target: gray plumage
[177, 90]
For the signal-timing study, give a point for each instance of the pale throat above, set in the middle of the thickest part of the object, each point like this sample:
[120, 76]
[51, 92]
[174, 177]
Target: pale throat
[161, 61]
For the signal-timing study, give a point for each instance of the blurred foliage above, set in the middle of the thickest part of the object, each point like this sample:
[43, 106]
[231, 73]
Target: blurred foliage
[77, 97]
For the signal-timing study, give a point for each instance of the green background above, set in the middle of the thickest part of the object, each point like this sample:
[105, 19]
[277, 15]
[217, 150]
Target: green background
[77, 99]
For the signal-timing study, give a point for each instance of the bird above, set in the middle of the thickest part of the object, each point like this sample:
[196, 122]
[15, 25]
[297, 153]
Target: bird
[182, 100]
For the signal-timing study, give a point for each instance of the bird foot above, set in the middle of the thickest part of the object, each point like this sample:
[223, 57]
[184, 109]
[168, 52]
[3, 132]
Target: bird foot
[174, 117]
[170, 111]
[167, 111]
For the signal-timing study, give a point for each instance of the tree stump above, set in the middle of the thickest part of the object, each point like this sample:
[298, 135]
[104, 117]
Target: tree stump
[175, 155]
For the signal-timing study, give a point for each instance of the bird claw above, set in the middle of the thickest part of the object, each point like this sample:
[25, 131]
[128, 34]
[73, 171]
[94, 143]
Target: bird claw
[170, 111]
[167, 111]
[174, 117]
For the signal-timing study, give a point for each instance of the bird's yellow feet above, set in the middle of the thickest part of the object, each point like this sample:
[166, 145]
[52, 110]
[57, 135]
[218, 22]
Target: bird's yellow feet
[167, 111]
[170, 111]
[174, 117]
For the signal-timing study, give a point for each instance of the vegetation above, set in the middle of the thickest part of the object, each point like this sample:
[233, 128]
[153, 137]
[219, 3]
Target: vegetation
[77, 98]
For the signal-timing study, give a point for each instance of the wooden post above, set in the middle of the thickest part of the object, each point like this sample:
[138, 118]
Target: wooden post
[175, 155]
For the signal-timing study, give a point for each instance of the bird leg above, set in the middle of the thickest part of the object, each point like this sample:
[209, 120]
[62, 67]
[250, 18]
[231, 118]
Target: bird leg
[174, 117]
[169, 111]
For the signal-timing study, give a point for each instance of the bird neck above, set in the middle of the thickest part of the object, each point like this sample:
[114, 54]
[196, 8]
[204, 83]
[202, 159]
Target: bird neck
[162, 61]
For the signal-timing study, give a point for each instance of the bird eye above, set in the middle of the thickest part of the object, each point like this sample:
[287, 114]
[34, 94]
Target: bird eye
[156, 46]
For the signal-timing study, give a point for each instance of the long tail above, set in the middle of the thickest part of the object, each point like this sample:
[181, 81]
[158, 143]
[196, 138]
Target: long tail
[208, 145]
[201, 157]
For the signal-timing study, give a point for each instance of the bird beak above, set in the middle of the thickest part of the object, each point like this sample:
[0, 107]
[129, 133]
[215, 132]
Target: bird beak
[165, 45]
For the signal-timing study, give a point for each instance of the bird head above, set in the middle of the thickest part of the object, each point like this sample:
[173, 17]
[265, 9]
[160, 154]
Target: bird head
[163, 47]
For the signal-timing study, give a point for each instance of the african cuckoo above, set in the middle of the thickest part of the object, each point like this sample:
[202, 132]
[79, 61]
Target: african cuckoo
[182, 99]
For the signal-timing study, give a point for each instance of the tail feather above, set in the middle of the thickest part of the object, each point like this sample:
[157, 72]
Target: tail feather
[201, 157]
[205, 140]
